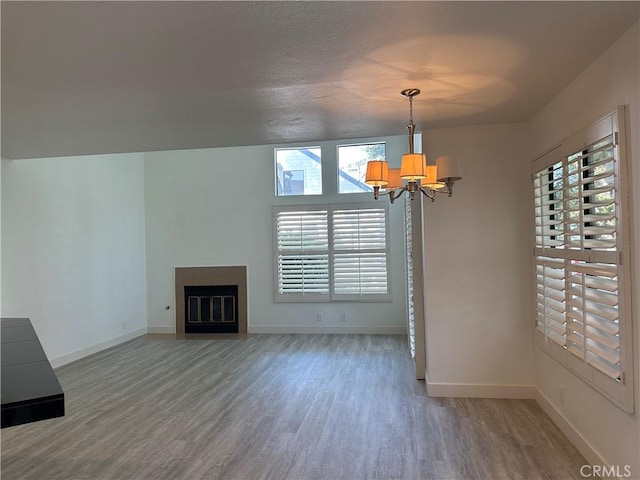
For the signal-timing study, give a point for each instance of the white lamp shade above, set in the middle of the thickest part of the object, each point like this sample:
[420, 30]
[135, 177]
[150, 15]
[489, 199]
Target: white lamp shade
[448, 170]
[395, 181]
[377, 173]
[413, 166]
[431, 180]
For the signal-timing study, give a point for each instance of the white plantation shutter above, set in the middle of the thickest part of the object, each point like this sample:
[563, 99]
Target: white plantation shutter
[581, 314]
[303, 253]
[593, 316]
[590, 220]
[548, 185]
[360, 252]
[408, 225]
[550, 296]
[325, 253]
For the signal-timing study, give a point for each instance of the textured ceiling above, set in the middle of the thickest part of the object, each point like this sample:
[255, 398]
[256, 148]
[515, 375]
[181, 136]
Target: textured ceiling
[105, 77]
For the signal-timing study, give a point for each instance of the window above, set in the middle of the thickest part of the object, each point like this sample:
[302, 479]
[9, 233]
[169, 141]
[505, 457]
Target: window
[303, 253]
[298, 171]
[352, 165]
[359, 252]
[336, 252]
[583, 315]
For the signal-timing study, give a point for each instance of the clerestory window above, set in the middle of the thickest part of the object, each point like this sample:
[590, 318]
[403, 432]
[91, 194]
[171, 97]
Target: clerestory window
[298, 171]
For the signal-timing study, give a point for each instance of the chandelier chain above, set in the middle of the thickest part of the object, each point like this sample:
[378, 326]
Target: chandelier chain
[410, 110]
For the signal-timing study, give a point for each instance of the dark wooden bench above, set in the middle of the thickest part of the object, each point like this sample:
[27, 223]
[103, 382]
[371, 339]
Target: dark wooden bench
[30, 388]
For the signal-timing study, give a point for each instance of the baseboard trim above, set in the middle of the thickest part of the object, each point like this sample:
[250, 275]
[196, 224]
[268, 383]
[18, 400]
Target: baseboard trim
[95, 348]
[152, 329]
[470, 390]
[328, 329]
[574, 436]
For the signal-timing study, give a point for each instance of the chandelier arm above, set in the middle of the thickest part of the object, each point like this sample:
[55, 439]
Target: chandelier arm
[428, 192]
[392, 193]
[445, 190]
[448, 190]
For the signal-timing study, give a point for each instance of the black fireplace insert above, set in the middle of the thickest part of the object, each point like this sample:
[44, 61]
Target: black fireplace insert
[211, 309]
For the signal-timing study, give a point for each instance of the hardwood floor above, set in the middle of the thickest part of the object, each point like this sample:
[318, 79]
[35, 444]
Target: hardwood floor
[277, 407]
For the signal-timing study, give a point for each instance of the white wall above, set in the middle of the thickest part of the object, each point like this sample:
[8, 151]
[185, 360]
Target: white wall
[477, 279]
[214, 207]
[612, 80]
[73, 250]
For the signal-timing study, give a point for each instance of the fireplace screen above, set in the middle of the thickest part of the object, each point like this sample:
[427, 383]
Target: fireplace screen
[211, 309]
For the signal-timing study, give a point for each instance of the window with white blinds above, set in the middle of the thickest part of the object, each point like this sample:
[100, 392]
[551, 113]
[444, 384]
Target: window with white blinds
[581, 255]
[336, 252]
[359, 252]
[303, 252]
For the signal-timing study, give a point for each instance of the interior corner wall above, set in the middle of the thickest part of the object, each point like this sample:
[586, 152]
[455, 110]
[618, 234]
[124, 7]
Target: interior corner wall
[478, 267]
[213, 207]
[612, 80]
[2, 160]
[73, 250]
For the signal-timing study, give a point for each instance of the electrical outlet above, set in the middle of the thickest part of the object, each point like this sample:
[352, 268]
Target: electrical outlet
[320, 317]
[343, 316]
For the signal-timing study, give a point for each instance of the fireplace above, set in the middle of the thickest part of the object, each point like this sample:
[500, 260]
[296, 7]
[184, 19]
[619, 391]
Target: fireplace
[211, 300]
[211, 309]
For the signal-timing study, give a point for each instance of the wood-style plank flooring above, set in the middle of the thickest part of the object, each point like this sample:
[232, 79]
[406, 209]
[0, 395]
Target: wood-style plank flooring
[277, 407]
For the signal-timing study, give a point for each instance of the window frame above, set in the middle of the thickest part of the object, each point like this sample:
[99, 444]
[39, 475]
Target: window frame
[562, 262]
[331, 295]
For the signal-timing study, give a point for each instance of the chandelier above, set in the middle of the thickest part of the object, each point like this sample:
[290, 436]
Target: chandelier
[419, 177]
